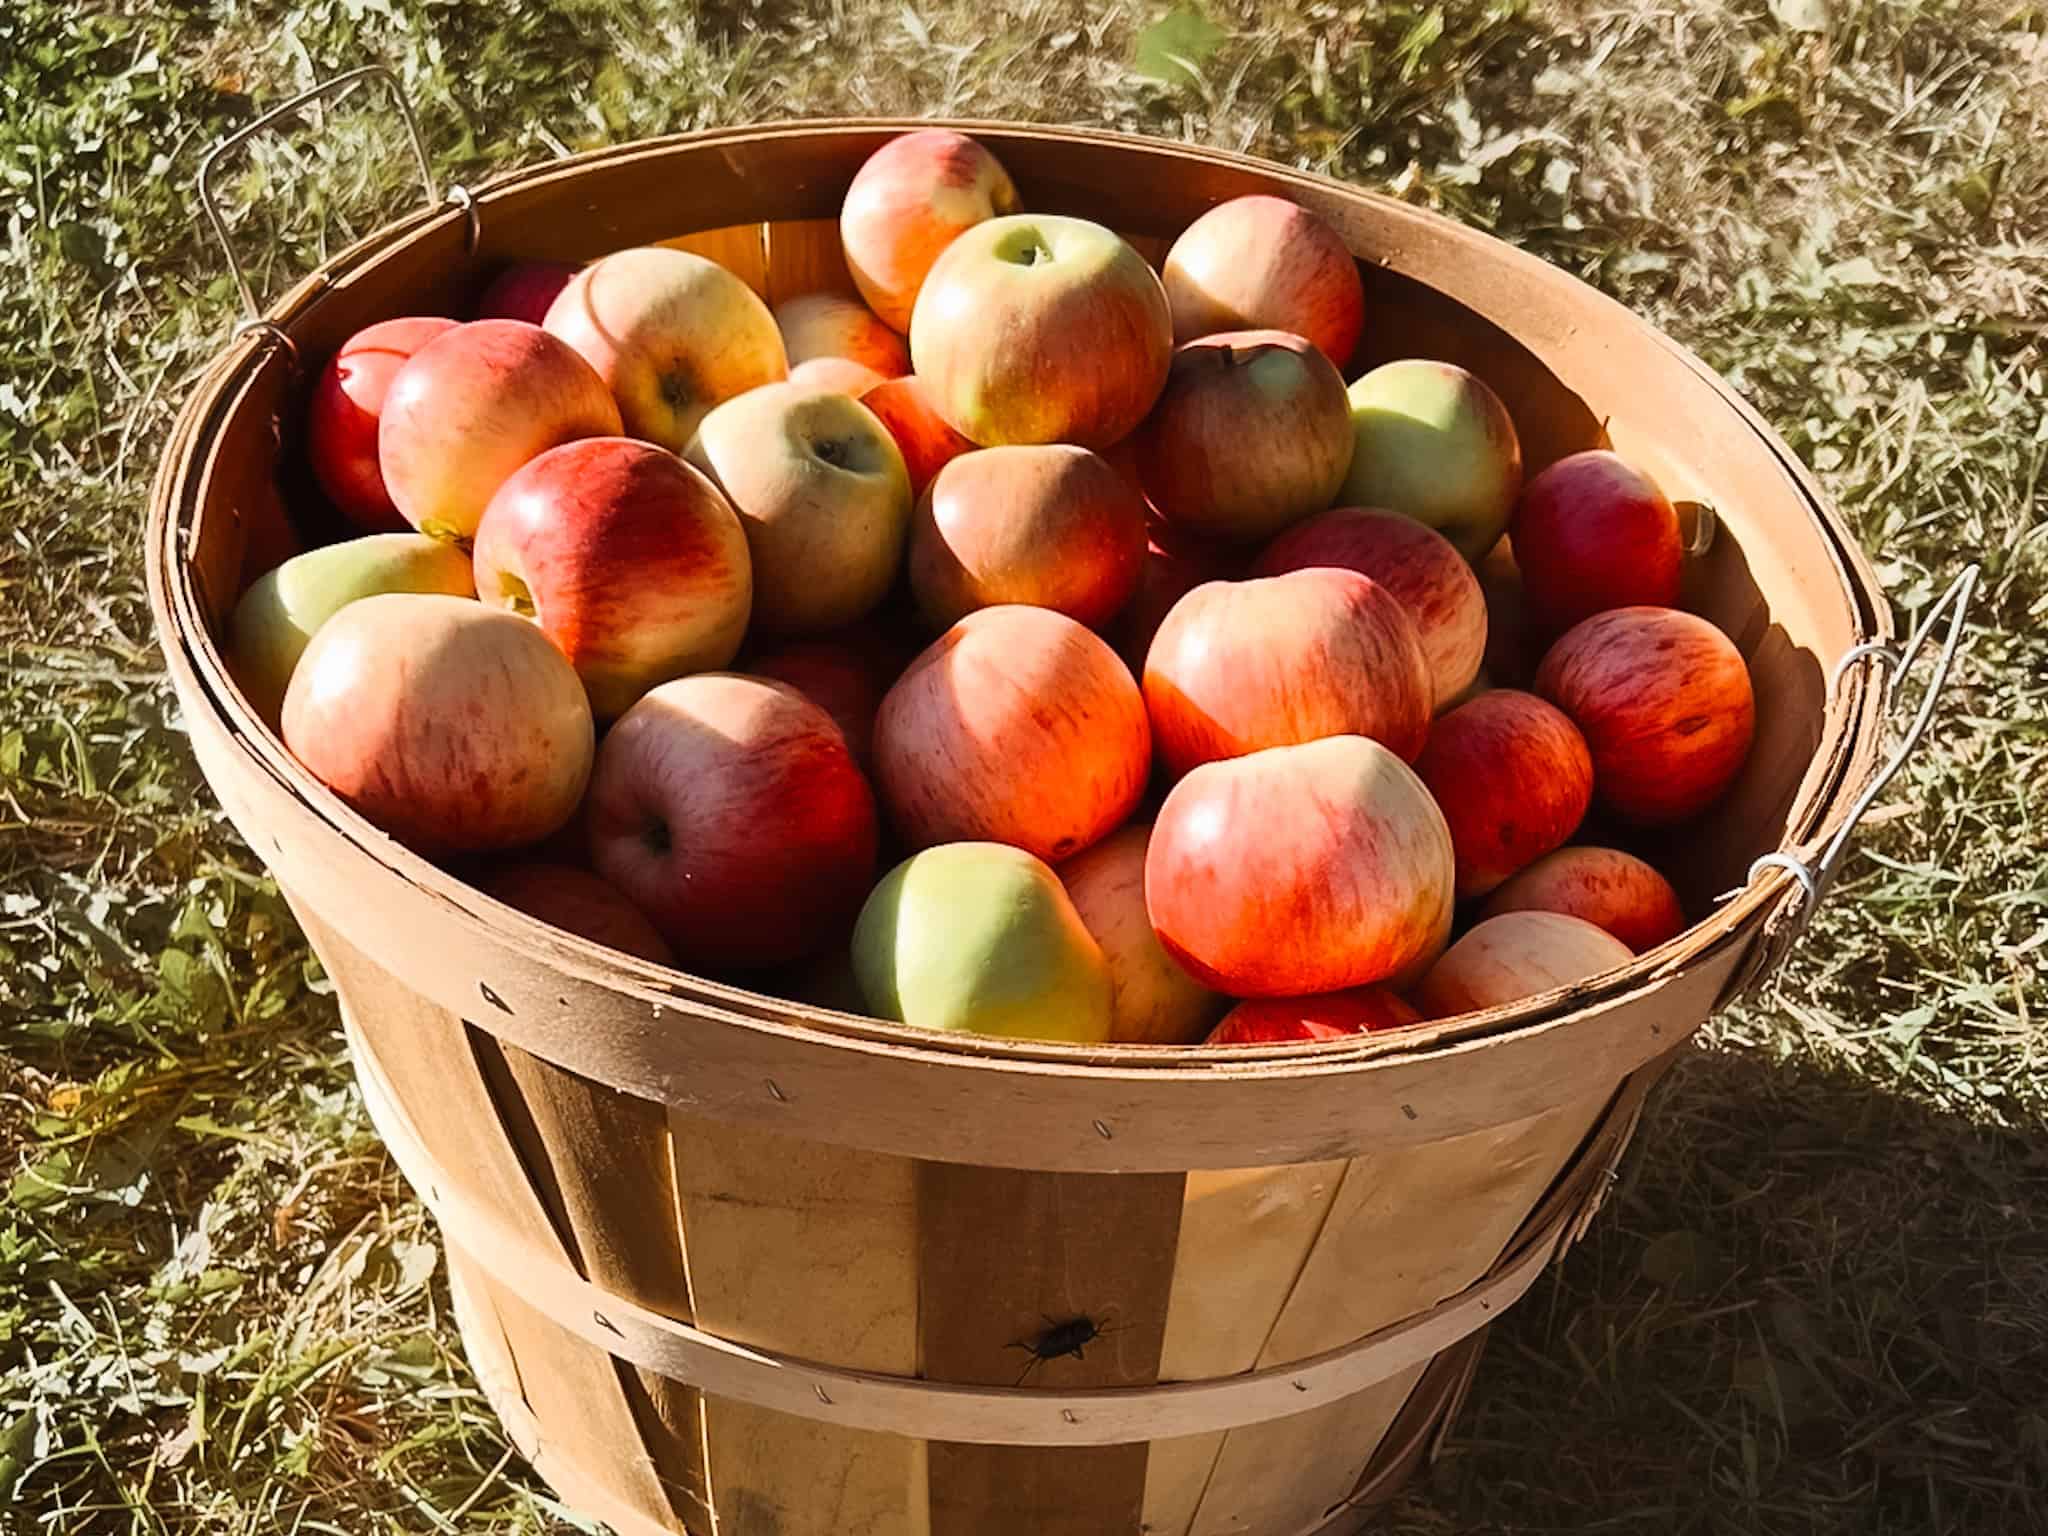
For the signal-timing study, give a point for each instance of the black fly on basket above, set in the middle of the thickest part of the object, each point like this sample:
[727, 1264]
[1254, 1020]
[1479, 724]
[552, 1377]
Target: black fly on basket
[1062, 1340]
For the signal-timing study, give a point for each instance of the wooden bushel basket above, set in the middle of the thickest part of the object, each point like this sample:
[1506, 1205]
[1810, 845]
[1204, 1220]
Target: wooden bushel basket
[726, 1262]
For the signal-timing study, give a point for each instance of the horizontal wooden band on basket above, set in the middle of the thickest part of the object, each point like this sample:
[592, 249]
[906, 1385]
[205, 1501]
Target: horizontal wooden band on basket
[996, 1415]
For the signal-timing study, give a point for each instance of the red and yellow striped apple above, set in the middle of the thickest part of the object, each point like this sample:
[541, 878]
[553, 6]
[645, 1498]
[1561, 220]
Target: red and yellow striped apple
[1513, 778]
[1156, 1002]
[831, 325]
[1513, 956]
[1325, 1016]
[1608, 888]
[907, 203]
[1592, 532]
[928, 443]
[524, 291]
[576, 901]
[343, 415]
[1263, 262]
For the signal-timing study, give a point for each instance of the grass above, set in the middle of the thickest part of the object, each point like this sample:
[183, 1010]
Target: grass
[1816, 1303]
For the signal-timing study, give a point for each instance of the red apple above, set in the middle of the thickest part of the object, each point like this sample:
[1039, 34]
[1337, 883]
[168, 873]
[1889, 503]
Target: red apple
[1434, 443]
[907, 203]
[844, 673]
[1262, 261]
[1018, 726]
[576, 901]
[628, 559]
[816, 325]
[1051, 525]
[455, 727]
[342, 418]
[1155, 1002]
[840, 375]
[524, 290]
[1417, 564]
[1300, 869]
[1042, 330]
[1328, 1016]
[1253, 433]
[928, 444]
[1663, 699]
[1517, 955]
[823, 496]
[1593, 533]
[1242, 665]
[1513, 779]
[672, 334]
[730, 811]
[1175, 563]
[474, 405]
[1609, 889]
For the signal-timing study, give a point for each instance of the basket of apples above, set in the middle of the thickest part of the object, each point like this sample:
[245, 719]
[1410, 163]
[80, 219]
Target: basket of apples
[1007, 819]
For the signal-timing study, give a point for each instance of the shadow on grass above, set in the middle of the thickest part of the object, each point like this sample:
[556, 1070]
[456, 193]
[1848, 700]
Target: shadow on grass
[1811, 1306]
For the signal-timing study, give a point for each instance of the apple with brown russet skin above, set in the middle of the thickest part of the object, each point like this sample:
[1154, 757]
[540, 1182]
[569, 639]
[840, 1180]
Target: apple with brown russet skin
[1663, 699]
[1051, 525]
[1608, 888]
[823, 496]
[1300, 870]
[471, 407]
[1433, 442]
[672, 334]
[1592, 532]
[1513, 778]
[524, 291]
[1252, 434]
[730, 811]
[1042, 329]
[1516, 955]
[841, 375]
[455, 727]
[1327, 1016]
[576, 901]
[844, 673]
[1417, 564]
[1261, 261]
[1018, 726]
[1238, 666]
[907, 203]
[820, 325]
[928, 443]
[1174, 564]
[343, 415]
[627, 558]
[1156, 1002]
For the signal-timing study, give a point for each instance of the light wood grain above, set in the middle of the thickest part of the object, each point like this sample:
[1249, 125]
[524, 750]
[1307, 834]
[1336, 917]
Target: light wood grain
[805, 256]
[740, 248]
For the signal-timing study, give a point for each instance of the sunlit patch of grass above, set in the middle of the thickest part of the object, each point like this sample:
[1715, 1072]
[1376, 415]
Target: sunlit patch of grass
[1815, 1303]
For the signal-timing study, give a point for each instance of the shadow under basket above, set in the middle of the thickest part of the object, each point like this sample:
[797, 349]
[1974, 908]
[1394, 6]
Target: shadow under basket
[725, 1261]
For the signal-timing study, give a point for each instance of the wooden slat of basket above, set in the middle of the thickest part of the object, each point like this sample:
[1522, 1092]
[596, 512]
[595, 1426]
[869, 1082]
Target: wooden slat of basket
[1004, 1255]
[740, 248]
[789, 1240]
[805, 256]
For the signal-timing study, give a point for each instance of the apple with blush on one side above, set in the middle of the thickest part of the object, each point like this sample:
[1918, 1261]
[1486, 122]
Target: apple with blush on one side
[1326, 1016]
[626, 557]
[1041, 329]
[1516, 955]
[473, 406]
[524, 291]
[817, 325]
[845, 673]
[730, 811]
[576, 901]
[1252, 433]
[909, 201]
[343, 413]
[1300, 870]
[1174, 564]
[1264, 262]
[1433, 442]
[1592, 532]
[840, 375]
[1051, 525]
[1238, 666]
[928, 443]
[455, 727]
[1513, 779]
[1608, 888]
[1664, 701]
[672, 334]
[1156, 1002]
[1415, 563]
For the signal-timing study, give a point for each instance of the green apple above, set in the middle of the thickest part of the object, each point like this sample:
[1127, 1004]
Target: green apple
[1432, 442]
[981, 938]
[275, 620]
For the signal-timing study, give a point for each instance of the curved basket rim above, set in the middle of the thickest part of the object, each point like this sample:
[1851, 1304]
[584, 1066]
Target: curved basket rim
[1850, 722]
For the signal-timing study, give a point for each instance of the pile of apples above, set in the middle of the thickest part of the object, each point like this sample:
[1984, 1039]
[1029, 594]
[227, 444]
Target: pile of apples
[1037, 645]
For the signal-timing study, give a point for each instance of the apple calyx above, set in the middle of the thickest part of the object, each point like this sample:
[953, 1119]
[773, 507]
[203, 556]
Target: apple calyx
[517, 596]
